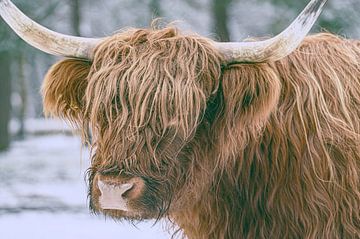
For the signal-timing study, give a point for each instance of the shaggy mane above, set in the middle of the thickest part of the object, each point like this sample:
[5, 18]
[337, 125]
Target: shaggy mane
[286, 161]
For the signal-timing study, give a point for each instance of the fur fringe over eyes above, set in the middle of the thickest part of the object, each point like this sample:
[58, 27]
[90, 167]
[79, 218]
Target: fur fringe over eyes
[146, 87]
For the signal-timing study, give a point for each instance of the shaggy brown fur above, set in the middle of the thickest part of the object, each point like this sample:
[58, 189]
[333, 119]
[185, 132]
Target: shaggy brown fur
[267, 150]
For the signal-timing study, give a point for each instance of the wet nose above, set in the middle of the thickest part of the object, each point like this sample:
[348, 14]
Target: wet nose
[113, 196]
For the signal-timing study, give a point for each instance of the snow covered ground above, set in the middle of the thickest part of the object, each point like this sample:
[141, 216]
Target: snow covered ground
[43, 194]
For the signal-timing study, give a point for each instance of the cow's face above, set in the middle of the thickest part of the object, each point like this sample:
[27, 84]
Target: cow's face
[144, 97]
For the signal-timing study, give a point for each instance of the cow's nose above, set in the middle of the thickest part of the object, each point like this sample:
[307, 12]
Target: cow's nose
[113, 196]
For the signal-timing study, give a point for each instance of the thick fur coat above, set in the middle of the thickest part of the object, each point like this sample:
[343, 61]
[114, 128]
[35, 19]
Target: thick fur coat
[268, 150]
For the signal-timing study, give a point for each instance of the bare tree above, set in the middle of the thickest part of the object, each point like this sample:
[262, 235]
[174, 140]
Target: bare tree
[220, 16]
[23, 95]
[75, 16]
[155, 8]
[5, 92]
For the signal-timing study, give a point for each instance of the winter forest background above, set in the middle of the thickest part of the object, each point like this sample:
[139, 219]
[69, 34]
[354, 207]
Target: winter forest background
[38, 151]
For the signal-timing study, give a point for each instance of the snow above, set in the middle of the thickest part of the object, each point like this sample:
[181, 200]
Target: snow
[66, 226]
[40, 126]
[43, 194]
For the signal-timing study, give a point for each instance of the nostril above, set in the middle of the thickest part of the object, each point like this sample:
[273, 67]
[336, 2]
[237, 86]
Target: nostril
[124, 188]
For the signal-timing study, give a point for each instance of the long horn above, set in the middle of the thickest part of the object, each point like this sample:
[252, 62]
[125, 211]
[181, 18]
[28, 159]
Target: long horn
[277, 47]
[44, 39]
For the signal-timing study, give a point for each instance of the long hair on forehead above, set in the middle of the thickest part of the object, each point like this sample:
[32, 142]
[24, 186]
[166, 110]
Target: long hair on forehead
[146, 85]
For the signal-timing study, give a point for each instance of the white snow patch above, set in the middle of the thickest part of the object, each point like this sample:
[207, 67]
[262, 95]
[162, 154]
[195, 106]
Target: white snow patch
[43, 194]
[68, 226]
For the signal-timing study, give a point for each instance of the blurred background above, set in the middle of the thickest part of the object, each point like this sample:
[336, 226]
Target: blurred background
[42, 187]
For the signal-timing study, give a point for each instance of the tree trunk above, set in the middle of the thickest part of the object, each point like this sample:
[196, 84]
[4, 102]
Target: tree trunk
[220, 18]
[23, 94]
[75, 16]
[155, 8]
[5, 92]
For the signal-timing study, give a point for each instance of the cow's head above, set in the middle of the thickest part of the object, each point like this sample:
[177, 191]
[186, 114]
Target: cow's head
[150, 98]
[143, 95]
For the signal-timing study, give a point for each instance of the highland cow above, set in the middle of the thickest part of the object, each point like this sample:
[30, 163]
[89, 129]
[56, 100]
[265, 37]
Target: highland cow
[226, 143]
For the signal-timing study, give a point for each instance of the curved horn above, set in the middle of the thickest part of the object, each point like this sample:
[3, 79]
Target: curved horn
[44, 39]
[277, 47]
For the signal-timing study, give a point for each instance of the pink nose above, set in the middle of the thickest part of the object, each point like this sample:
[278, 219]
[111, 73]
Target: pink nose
[113, 195]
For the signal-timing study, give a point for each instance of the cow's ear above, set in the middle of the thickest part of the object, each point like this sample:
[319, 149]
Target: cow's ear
[251, 93]
[64, 88]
